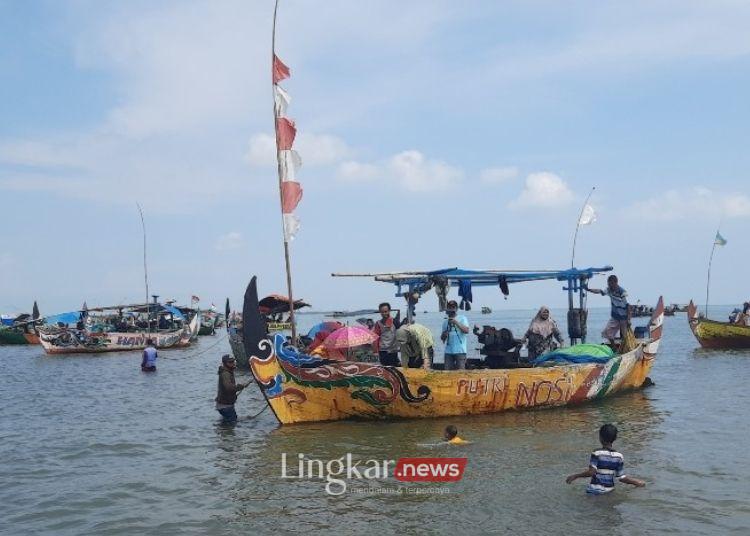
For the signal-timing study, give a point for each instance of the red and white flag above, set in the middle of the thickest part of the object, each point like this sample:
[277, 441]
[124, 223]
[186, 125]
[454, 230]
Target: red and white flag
[291, 195]
[291, 226]
[280, 71]
[288, 159]
[285, 133]
[282, 100]
[290, 164]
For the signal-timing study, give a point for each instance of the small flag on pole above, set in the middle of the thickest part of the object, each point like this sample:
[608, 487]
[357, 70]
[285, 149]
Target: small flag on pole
[285, 133]
[280, 71]
[588, 215]
[720, 240]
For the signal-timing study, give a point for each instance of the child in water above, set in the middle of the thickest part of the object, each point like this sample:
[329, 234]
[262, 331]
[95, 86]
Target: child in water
[451, 436]
[605, 465]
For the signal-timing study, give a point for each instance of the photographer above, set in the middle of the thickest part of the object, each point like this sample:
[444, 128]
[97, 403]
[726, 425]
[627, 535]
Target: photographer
[455, 328]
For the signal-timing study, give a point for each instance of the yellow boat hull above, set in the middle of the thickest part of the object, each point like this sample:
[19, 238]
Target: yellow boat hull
[718, 335]
[329, 391]
[303, 388]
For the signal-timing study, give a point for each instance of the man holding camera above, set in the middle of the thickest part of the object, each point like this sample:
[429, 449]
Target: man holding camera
[455, 329]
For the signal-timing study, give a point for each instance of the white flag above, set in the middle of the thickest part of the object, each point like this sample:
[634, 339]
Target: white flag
[282, 99]
[588, 215]
[291, 226]
[290, 164]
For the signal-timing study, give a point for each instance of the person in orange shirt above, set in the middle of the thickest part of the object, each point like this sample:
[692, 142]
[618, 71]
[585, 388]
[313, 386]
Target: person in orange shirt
[451, 436]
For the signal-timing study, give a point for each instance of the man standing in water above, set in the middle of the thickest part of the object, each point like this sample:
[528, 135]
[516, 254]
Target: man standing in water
[148, 364]
[454, 331]
[620, 309]
[228, 389]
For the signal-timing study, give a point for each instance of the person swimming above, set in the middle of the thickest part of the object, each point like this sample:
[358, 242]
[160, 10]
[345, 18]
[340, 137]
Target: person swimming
[451, 436]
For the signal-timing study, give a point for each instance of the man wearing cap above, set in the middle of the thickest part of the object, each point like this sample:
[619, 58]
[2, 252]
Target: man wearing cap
[454, 331]
[228, 389]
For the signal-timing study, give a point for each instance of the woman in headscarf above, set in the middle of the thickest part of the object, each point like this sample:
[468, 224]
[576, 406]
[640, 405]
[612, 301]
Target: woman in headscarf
[543, 334]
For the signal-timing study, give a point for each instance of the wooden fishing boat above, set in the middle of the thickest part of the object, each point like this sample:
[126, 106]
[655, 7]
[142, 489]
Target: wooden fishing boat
[32, 338]
[237, 344]
[12, 336]
[639, 311]
[717, 335]
[20, 332]
[301, 388]
[207, 323]
[61, 340]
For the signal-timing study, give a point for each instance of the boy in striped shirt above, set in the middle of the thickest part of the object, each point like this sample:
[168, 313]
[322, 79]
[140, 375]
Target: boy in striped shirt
[605, 465]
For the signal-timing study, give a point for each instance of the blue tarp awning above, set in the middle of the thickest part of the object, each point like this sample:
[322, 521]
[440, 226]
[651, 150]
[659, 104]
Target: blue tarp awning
[417, 280]
[176, 313]
[63, 318]
[491, 277]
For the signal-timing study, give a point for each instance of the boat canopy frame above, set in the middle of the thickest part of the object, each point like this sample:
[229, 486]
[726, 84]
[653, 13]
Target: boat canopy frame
[409, 282]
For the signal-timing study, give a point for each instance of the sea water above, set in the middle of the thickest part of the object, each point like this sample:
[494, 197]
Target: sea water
[91, 445]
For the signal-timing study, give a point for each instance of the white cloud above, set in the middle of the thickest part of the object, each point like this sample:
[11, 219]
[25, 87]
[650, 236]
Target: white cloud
[357, 171]
[674, 205]
[186, 80]
[321, 149]
[179, 66]
[229, 241]
[37, 154]
[262, 150]
[415, 173]
[408, 170]
[102, 167]
[498, 175]
[543, 189]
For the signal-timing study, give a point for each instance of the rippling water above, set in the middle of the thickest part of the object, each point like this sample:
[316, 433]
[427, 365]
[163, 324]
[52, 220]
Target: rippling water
[90, 445]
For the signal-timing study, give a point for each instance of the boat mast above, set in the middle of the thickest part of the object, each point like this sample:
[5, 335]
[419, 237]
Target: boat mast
[281, 191]
[577, 317]
[578, 226]
[145, 266]
[708, 277]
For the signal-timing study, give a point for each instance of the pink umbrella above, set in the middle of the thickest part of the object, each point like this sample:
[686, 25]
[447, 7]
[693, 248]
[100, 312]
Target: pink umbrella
[349, 337]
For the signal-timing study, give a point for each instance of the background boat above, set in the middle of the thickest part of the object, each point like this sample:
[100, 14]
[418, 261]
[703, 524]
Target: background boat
[717, 335]
[207, 322]
[21, 329]
[56, 337]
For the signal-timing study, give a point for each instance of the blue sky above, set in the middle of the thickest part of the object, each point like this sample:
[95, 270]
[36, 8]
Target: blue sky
[433, 134]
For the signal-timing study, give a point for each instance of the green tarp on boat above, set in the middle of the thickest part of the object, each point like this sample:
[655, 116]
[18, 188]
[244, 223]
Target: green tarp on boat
[580, 353]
